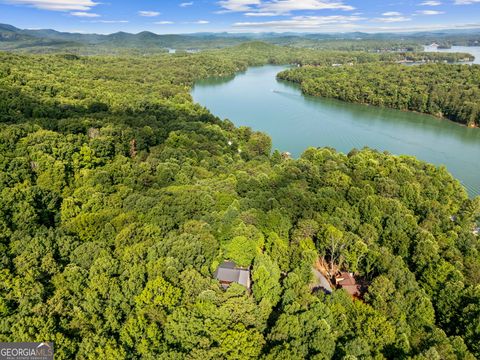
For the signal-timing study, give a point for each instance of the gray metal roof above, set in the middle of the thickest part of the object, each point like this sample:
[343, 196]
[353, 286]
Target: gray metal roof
[228, 272]
[244, 278]
[229, 275]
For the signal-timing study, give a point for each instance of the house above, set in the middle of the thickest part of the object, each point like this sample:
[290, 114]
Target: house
[346, 281]
[228, 272]
[286, 156]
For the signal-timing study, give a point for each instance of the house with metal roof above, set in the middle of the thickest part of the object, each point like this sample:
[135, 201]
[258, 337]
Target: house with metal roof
[228, 272]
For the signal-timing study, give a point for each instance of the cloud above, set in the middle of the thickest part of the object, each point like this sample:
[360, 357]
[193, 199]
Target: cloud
[164, 22]
[466, 2]
[84, 14]
[430, 12]
[392, 13]
[201, 22]
[146, 13]
[57, 5]
[281, 7]
[286, 6]
[238, 5]
[302, 22]
[110, 21]
[260, 14]
[431, 3]
[186, 4]
[392, 19]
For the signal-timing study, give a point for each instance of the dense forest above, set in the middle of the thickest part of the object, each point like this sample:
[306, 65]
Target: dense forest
[119, 198]
[443, 90]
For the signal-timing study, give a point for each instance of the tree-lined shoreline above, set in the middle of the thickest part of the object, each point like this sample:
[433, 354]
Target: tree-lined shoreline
[443, 90]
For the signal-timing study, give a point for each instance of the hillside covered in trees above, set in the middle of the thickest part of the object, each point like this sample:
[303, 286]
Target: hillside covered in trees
[48, 41]
[443, 90]
[119, 198]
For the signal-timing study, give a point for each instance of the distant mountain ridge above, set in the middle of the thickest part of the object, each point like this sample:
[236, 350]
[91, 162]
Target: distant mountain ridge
[44, 40]
[145, 39]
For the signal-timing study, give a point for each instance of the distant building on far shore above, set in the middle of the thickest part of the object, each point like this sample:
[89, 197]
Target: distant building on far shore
[286, 155]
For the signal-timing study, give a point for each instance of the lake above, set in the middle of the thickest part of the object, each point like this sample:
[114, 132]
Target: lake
[257, 99]
[474, 50]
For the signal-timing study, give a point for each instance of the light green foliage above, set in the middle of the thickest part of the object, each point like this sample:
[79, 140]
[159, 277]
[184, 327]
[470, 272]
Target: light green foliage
[241, 250]
[159, 293]
[266, 280]
[214, 331]
[278, 249]
[300, 334]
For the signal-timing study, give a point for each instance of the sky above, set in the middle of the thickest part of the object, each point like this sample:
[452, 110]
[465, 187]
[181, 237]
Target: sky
[190, 16]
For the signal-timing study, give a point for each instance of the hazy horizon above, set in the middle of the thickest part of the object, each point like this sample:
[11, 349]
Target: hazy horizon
[240, 16]
[458, 30]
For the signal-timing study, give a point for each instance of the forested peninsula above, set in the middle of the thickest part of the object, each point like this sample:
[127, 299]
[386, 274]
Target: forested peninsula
[120, 198]
[443, 90]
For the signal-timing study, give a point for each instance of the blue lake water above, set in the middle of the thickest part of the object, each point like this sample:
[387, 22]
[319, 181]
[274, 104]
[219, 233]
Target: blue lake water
[474, 50]
[295, 122]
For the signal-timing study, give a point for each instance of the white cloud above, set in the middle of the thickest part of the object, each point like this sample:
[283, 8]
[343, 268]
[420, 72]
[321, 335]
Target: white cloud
[392, 13]
[392, 19]
[286, 6]
[148, 13]
[466, 2]
[112, 21]
[238, 5]
[431, 3]
[202, 22]
[260, 14]
[164, 22]
[430, 12]
[282, 7]
[84, 14]
[303, 23]
[57, 5]
[186, 4]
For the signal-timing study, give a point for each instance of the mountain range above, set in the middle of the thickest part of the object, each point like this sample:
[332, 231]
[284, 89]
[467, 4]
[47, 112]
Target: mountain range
[48, 40]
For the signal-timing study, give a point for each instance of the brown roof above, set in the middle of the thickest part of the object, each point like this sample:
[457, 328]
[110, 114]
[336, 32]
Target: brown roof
[347, 282]
[346, 279]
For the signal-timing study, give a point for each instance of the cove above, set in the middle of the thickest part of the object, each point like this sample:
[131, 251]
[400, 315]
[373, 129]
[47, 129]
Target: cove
[474, 50]
[295, 122]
